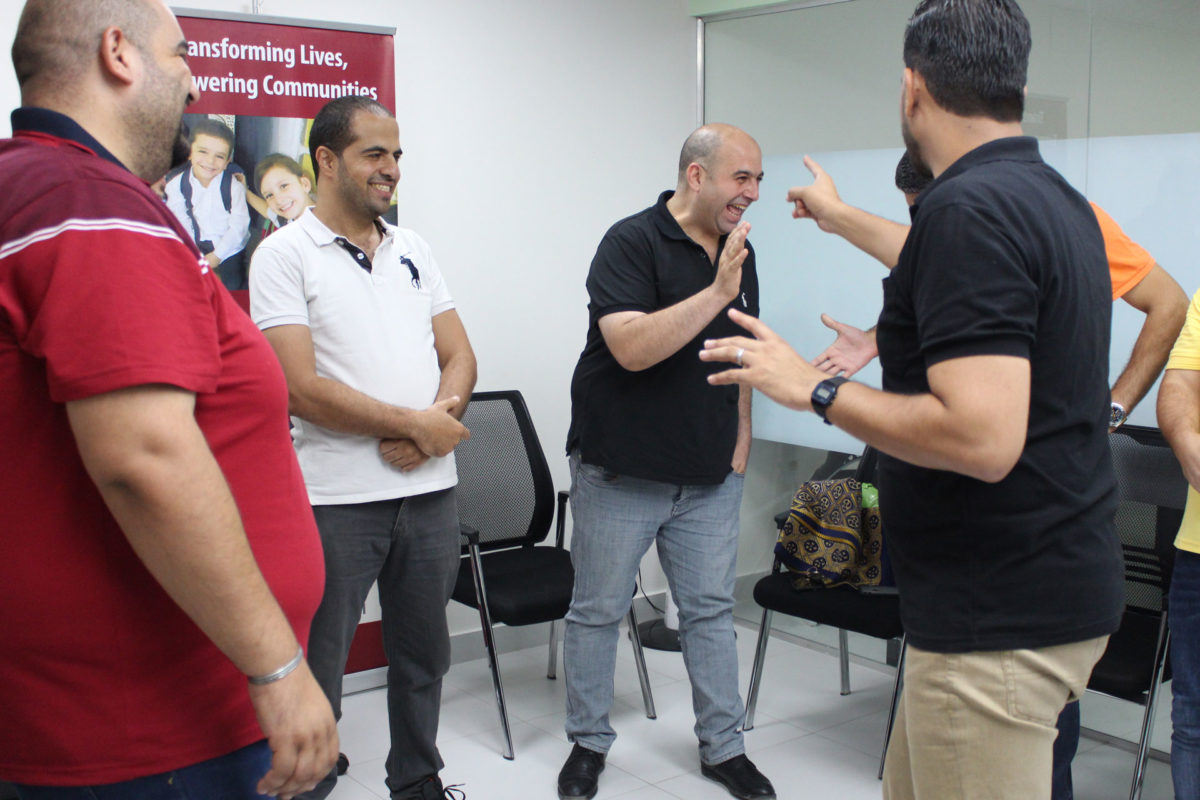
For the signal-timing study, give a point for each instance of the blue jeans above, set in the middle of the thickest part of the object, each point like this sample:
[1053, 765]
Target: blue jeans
[229, 777]
[616, 518]
[411, 547]
[1061, 786]
[1184, 619]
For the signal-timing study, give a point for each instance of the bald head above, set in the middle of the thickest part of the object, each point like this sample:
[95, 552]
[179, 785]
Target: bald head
[704, 145]
[58, 41]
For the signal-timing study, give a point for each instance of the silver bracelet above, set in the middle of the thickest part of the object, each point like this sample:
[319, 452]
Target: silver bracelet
[279, 674]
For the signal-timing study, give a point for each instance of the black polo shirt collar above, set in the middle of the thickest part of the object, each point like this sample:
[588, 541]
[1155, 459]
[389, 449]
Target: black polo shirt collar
[669, 227]
[666, 222]
[30, 119]
[1010, 148]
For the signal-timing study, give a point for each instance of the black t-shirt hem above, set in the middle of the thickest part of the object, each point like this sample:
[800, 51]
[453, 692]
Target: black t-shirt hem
[1027, 641]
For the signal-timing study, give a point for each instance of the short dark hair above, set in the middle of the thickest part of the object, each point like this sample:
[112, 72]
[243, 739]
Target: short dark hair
[268, 163]
[57, 39]
[908, 179]
[973, 55]
[332, 127]
[214, 128]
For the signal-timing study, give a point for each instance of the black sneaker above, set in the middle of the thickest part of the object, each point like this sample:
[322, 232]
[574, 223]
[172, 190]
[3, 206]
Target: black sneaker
[580, 775]
[740, 777]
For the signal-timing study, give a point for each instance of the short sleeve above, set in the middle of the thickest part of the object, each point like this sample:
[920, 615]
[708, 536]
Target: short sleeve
[1186, 352]
[972, 292]
[1128, 261]
[622, 276]
[116, 302]
[277, 295]
[439, 292]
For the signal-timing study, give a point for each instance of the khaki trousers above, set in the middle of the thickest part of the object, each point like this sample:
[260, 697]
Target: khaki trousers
[981, 725]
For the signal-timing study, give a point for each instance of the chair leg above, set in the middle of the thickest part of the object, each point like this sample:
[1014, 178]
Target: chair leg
[1160, 657]
[639, 659]
[896, 688]
[760, 654]
[485, 619]
[552, 664]
[844, 660]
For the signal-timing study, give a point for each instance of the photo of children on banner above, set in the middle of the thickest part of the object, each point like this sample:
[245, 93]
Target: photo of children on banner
[207, 201]
[833, 534]
[228, 209]
[284, 190]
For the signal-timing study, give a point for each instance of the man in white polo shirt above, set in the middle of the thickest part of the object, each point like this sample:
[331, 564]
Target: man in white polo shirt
[379, 372]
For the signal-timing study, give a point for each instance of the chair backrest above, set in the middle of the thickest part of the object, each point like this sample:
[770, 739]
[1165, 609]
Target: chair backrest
[504, 487]
[1152, 492]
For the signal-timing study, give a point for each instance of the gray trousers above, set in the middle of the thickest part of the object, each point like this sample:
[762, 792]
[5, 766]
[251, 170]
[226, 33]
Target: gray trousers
[411, 547]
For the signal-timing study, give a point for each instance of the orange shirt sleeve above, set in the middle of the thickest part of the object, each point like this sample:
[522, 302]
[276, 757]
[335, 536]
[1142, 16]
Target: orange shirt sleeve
[1128, 261]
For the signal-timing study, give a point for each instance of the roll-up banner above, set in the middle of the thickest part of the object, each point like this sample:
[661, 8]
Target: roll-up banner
[262, 80]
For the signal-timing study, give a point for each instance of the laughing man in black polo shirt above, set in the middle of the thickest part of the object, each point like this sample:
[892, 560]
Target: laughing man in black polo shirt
[997, 482]
[657, 456]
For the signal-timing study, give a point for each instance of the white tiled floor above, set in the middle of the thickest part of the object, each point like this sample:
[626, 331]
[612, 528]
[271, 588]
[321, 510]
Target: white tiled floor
[809, 740]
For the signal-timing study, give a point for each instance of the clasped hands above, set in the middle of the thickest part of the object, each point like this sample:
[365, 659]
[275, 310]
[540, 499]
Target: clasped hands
[437, 433]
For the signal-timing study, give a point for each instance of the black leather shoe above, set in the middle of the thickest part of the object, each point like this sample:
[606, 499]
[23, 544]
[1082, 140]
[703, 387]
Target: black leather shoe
[580, 776]
[740, 777]
[431, 788]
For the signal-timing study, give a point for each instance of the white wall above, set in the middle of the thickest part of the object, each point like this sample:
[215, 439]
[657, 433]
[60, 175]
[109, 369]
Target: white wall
[528, 128]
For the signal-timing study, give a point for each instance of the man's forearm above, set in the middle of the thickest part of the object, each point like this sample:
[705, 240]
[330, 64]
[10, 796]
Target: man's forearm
[1179, 404]
[918, 429]
[639, 341]
[1179, 418]
[458, 380]
[1145, 364]
[165, 489]
[338, 407]
[456, 360]
[1165, 306]
[973, 420]
[876, 236]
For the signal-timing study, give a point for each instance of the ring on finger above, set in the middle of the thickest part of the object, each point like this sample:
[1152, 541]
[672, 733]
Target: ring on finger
[741, 352]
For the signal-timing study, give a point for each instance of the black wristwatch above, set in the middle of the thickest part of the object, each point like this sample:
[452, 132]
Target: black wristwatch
[1118, 416]
[824, 395]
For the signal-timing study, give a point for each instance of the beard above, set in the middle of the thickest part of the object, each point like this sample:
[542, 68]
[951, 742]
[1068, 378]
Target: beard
[155, 128]
[358, 199]
[914, 150]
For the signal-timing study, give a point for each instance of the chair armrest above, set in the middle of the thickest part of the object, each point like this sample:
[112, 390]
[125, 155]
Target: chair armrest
[781, 518]
[469, 533]
[561, 524]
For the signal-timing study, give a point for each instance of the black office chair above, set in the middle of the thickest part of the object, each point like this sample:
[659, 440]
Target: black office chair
[1152, 492]
[506, 503]
[873, 613]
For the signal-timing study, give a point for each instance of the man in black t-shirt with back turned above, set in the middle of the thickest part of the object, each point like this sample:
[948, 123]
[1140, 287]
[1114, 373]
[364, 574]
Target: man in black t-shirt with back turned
[995, 476]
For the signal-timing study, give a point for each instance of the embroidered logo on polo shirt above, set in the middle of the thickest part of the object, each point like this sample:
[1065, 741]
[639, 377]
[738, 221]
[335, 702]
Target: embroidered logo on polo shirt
[744, 303]
[412, 270]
